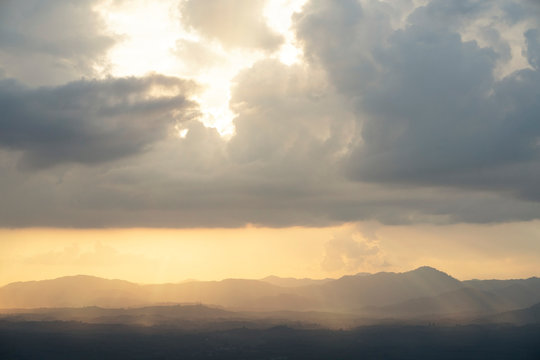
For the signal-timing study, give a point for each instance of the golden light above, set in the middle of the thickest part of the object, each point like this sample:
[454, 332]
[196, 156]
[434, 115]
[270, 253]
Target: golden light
[151, 34]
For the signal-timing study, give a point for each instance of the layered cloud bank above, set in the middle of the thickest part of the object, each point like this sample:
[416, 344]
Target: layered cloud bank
[398, 111]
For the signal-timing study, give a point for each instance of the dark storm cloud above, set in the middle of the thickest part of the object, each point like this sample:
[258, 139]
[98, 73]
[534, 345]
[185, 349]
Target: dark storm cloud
[237, 23]
[429, 107]
[89, 121]
[51, 42]
[533, 47]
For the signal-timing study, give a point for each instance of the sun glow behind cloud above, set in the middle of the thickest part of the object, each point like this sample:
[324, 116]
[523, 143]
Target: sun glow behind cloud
[148, 31]
[152, 39]
[278, 14]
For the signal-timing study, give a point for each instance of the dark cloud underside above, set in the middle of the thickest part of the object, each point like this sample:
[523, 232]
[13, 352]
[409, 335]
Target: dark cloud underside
[89, 121]
[430, 108]
[51, 42]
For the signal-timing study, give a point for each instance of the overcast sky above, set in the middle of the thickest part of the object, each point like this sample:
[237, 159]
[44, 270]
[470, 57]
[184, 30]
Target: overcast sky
[284, 113]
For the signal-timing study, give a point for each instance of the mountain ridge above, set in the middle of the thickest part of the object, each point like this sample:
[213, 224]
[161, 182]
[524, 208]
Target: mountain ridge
[415, 292]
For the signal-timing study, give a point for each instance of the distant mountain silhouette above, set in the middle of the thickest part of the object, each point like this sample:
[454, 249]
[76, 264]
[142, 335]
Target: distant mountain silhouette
[530, 315]
[358, 291]
[490, 285]
[80, 291]
[292, 282]
[520, 292]
[461, 302]
[421, 292]
[71, 291]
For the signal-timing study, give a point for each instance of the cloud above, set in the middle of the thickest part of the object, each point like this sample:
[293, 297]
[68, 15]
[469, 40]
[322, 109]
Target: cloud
[197, 57]
[392, 118]
[234, 24]
[281, 168]
[287, 117]
[429, 108]
[533, 47]
[348, 251]
[52, 42]
[90, 121]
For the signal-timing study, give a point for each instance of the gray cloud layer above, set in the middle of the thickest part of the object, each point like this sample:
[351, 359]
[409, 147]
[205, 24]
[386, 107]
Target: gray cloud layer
[51, 42]
[89, 121]
[430, 109]
[398, 115]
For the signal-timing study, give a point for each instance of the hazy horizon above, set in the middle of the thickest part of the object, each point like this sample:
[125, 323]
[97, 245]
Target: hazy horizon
[186, 280]
[165, 255]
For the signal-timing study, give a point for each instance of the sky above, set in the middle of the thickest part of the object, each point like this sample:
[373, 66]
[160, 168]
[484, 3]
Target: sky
[159, 141]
